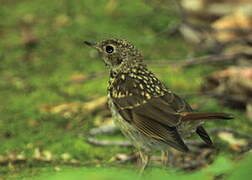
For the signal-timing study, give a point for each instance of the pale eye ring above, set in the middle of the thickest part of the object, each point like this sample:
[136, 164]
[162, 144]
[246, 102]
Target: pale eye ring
[109, 49]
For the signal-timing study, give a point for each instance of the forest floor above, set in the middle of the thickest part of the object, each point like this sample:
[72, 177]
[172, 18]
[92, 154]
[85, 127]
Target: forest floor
[44, 66]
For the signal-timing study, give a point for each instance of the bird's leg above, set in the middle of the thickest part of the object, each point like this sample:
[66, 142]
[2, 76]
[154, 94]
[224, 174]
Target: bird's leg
[164, 158]
[171, 158]
[144, 161]
[168, 158]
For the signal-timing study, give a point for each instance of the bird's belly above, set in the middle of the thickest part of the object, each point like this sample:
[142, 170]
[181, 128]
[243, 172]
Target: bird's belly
[138, 139]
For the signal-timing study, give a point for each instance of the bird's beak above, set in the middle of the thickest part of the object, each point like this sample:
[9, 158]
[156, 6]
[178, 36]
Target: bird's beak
[90, 43]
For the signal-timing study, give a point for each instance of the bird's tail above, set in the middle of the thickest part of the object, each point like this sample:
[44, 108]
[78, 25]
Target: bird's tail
[196, 116]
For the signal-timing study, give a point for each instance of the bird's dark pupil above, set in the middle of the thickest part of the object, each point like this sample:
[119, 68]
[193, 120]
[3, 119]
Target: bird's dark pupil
[109, 49]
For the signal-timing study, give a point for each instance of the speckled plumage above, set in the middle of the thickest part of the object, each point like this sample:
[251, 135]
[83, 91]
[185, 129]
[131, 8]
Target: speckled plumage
[147, 112]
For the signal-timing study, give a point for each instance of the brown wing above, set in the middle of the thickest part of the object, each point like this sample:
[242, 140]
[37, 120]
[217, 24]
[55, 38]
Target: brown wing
[155, 116]
[164, 109]
[159, 132]
[157, 119]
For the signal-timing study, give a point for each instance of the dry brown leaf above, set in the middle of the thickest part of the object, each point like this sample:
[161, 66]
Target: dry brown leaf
[193, 5]
[12, 157]
[122, 157]
[95, 104]
[111, 6]
[32, 123]
[56, 168]
[234, 143]
[47, 155]
[101, 121]
[226, 27]
[234, 84]
[65, 156]
[37, 153]
[42, 155]
[212, 23]
[68, 110]
[77, 78]
[62, 19]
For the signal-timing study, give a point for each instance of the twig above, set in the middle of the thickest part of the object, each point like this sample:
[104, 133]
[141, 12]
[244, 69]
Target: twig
[204, 60]
[8, 160]
[106, 129]
[108, 143]
[215, 59]
[196, 94]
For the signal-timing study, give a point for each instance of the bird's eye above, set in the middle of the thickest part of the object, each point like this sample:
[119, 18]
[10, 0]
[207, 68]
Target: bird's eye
[109, 49]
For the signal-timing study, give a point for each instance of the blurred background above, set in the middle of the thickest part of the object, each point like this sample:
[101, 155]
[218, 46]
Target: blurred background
[54, 121]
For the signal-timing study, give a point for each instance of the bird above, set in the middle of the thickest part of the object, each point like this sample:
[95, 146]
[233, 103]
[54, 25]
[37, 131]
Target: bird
[148, 113]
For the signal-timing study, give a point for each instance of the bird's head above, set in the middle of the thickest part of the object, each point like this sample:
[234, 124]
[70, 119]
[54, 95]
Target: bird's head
[118, 55]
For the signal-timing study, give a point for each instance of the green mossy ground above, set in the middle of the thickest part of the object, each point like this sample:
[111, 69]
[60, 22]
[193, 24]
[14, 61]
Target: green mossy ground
[27, 84]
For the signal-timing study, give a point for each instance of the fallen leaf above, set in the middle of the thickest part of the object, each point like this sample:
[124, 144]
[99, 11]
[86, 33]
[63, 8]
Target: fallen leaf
[56, 168]
[32, 123]
[47, 155]
[62, 19]
[233, 84]
[77, 78]
[65, 156]
[227, 27]
[231, 140]
[111, 6]
[67, 109]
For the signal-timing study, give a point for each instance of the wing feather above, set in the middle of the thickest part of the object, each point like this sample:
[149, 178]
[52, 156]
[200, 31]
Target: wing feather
[157, 131]
[156, 115]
